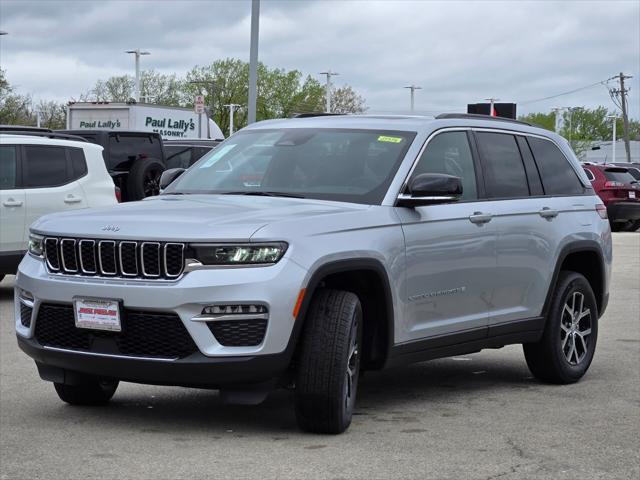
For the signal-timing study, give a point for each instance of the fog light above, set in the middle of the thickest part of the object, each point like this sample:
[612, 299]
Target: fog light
[234, 309]
[24, 294]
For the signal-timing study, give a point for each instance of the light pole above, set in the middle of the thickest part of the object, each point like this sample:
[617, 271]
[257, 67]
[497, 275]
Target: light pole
[413, 89]
[137, 52]
[557, 117]
[613, 144]
[231, 106]
[253, 62]
[329, 74]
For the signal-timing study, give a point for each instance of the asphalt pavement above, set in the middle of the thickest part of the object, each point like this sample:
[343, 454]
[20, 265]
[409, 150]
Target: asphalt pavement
[479, 416]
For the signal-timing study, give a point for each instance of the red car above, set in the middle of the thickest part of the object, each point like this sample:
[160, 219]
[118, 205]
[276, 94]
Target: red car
[619, 191]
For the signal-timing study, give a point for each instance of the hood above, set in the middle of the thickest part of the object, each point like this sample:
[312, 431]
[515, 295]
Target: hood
[187, 218]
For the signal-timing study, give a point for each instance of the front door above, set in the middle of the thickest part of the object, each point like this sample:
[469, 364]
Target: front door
[12, 202]
[450, 251]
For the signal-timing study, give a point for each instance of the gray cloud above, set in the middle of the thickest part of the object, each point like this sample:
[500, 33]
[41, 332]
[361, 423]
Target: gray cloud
[458, 51]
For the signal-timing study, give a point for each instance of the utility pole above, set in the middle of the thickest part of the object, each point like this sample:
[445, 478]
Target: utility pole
[329, 74]
[413, 89]
[492, 111]
[137, 53]
[253, 62]
[614, 118]
[619, 97]
[231, 106]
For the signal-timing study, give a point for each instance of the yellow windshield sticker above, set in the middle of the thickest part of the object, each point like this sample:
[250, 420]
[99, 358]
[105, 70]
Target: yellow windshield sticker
[384, 138]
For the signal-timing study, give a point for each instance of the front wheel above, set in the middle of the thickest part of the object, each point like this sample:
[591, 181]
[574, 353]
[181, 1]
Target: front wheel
[329, 364]
[568, 343]
[92, 392]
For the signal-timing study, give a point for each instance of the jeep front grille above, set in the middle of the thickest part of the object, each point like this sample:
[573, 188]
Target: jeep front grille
[114, 258]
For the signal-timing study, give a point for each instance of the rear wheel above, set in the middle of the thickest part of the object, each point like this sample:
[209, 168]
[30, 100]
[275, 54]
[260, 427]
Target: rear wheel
[329, 365]
[144, 179]
[92, 392]
[568, 343]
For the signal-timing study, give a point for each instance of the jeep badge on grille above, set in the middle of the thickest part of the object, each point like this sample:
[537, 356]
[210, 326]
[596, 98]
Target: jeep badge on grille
[110, 228]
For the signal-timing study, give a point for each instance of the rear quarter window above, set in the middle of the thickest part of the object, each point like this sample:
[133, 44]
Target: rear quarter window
[558, 176]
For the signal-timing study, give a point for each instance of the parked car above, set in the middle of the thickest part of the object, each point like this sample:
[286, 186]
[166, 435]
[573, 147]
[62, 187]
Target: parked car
[633, 168]
[186, 152]
[302, 251]
[619, 191]
[40, 175]
[134, 159]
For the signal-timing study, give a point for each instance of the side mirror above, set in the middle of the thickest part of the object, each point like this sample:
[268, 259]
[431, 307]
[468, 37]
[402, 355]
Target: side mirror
[431, 188]
[169, 176]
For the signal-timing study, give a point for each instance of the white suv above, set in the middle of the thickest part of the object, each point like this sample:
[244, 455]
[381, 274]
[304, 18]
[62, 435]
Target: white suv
[40, 175]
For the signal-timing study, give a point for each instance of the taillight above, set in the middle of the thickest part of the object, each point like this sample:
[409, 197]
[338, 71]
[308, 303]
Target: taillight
[118, 194]
[602, 211]
[613, 184]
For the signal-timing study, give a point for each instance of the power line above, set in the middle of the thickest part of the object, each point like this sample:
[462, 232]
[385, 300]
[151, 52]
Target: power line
[602, 82]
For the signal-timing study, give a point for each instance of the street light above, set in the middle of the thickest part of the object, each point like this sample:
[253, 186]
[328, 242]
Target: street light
[137, 53]
[413, 89]
[329, 74]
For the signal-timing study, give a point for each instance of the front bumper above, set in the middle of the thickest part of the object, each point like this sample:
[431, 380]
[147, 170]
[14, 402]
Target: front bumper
[624, 211]
[275, 286]
[197, 370]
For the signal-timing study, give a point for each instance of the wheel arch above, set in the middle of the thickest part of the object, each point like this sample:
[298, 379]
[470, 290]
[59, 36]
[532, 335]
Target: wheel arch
[584, 257]
[367, 278]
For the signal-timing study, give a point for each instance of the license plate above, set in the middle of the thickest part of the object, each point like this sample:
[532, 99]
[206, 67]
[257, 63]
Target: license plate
[98, 314]
[632, 194]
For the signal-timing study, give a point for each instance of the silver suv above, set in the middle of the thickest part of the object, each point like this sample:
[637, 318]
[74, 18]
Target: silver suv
[300, 252]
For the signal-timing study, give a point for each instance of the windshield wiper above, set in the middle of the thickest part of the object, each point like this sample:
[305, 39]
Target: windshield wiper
[265, 194]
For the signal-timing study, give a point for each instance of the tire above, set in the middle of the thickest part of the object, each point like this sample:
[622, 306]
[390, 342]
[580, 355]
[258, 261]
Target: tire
[633, 226]
[144, 178]
[329, 363]
[617, 226]
[561, 356]
[92, 392]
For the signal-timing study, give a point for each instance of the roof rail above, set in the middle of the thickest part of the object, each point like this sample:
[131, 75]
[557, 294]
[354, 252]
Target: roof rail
[477, 116]
[315, 114]
[23, 128]
[53, 135]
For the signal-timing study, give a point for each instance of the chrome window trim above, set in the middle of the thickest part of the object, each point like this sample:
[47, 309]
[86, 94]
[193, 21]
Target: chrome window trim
[144, 271]
[166, 271]
[115, 263]
[75, 253]
[93, 250]
[135, 250]
[57, 252]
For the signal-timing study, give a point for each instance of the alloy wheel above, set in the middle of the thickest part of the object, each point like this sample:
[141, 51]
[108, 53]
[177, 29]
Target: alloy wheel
[575, 329]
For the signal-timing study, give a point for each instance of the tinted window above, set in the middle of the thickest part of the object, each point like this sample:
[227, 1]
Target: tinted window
[178, 156]
[618, 175]
[198, 152]
[44, 166]
[634, 172]
[8, 167]
[123, 148]
[533, 176]
[503, 169]
[331, 164]
[78, 162]
[558, 176]
[450, 153]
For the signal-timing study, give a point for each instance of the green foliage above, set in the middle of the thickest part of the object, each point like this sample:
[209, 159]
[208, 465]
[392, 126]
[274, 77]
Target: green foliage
[544, 120]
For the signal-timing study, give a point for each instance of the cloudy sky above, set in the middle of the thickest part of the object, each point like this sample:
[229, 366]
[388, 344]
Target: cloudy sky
[457, 51]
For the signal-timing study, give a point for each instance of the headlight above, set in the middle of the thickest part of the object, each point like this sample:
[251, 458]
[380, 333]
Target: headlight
[36, 245]
[225, 254]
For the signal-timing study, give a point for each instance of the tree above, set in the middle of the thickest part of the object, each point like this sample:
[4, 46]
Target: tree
[15, 109]
[53, 115]
[544, 120]
[346, 100]
[160, 89]
[114, 89]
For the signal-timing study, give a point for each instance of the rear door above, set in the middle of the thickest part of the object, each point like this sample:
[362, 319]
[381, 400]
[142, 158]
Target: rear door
[49, 181]
[450, 250]
[12, 201]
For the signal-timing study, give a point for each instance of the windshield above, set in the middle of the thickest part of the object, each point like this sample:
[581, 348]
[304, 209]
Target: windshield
[329, 164]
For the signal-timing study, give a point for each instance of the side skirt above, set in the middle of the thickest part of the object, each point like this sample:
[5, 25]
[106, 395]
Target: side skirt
[468, 341]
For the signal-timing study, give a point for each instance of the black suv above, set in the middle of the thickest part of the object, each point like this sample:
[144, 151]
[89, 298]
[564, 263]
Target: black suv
[135, 160]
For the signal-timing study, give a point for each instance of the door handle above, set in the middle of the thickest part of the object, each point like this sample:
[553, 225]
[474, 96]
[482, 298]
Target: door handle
[480, 218]
[12, 203]
[72, 199]
[546, 212]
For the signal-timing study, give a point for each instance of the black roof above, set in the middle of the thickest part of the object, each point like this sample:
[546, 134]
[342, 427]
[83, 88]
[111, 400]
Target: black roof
[193, 142]
[23, 128]
[46, 134]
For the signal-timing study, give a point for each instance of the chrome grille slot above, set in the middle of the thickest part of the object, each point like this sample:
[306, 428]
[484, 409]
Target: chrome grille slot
[87, 249]
[107, 257]
[114, 258]
[151, 259]
[51, 254]
[129, 258]
[69, 255]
